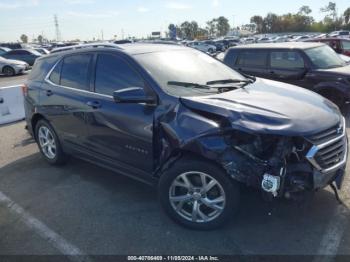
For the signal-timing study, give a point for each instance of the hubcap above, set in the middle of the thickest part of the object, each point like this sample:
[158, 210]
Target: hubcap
[8, 71]
[47, 142]
[197, 197]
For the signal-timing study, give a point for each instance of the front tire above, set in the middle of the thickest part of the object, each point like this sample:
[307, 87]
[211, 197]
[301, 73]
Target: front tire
[8, 71]
[198, 195]
[49, 143]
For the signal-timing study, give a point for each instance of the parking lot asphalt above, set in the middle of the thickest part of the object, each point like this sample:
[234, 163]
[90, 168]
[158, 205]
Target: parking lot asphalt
[12, 80]
[102, 213]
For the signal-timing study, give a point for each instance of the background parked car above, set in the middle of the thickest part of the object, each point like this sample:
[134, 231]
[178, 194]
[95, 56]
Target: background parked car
[4, 50]
[12, 67]
[299, 38]
[314, 66]
[27, 55]
[219, 45]
[264, 40]
[42, 51]
[339, 45]
[202, 47]
[340, 34]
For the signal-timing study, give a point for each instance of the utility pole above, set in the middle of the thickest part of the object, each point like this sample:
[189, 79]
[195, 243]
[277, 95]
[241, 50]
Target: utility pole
[57, 28]
[102, 38]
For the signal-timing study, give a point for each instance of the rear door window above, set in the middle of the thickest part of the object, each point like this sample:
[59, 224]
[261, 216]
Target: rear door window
[75, 71]
[287, 60]
[114, 73]
[252, 58]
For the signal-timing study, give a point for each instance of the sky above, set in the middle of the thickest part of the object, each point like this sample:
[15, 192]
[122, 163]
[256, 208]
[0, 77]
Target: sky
[88, 19]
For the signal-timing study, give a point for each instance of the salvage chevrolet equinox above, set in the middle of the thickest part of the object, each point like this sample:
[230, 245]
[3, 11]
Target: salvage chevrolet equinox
[176, 118]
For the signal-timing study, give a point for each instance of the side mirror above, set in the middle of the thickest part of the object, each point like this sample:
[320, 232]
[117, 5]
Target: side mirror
[133, 95]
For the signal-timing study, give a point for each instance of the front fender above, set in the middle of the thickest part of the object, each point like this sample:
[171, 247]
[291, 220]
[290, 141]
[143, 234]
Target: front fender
[340, 87]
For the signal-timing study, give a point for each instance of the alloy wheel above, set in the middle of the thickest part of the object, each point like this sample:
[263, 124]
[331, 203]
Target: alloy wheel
[47, 142]
[197, 197]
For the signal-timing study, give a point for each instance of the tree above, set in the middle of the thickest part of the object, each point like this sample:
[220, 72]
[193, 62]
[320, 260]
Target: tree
[331, 9]
[194, 29]
[259, 21]
[24, 38]
[223, 26]
[186, 30]
[172, 31]
[304, 10]
[270, 23]
[211, 27]
[40, 39]
[347, 16]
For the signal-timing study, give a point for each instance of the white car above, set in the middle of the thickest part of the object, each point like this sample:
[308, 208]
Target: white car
[299, 38]
[264, 40]
[10, 67]
[203, 47]
[248, 40]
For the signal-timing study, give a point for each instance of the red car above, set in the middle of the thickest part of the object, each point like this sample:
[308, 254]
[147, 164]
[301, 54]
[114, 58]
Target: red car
[340, 45]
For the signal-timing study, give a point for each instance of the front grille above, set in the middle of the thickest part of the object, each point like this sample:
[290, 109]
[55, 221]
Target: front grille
[329, 149]
[326, 135]
[332, 154]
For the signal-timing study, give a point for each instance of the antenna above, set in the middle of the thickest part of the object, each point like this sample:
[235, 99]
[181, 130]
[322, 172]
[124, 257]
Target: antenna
[57, 27]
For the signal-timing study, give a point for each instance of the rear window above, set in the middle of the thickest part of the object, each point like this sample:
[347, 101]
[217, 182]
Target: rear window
[75, 70]
[252, 58]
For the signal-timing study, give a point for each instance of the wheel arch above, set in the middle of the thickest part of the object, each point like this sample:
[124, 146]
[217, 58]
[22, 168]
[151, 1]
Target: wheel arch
[35, 119]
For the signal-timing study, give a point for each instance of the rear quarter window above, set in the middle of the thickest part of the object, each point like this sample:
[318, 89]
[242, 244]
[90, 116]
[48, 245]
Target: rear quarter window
[41, 68]
[231, 57]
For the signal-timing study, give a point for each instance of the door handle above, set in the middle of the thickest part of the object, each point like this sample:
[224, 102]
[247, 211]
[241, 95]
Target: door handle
[49, 93]
[94, 104]
[1, 100]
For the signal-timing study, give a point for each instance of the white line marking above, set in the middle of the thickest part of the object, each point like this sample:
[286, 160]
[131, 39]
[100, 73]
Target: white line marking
[42, 230]
[331, 239]
[7, 87]
[339, 221]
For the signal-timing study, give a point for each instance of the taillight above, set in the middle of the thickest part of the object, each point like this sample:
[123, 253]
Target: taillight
[25, 90]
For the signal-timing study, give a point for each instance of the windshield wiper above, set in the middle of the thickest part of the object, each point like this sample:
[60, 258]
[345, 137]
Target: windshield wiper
[188, 84]
[230, 81]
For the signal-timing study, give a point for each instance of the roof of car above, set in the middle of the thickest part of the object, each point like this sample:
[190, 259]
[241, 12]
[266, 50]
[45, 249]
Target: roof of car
[327, 39]
[289, 45]
[131, 49]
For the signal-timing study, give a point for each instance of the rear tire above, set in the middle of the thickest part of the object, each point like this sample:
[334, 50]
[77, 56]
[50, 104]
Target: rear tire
[8, 71]
[49, 143]
[198, 194]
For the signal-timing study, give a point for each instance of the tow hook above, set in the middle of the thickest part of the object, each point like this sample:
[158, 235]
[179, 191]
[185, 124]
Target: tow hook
[271, 184]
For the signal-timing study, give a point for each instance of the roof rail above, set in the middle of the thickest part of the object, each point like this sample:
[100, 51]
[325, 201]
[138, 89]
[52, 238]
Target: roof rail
[94, 45]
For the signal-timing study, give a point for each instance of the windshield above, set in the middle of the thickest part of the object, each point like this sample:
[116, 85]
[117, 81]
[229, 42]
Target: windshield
[324, 57]
[186, 66]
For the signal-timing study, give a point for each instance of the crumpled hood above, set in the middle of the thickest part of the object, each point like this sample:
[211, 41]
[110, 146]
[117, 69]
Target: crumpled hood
[270, 107]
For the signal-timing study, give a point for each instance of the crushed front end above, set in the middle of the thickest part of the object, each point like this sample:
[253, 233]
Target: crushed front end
[287, 166]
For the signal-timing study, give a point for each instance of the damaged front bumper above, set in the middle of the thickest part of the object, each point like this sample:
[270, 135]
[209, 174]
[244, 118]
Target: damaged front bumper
[321, 162]
[329, 158]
